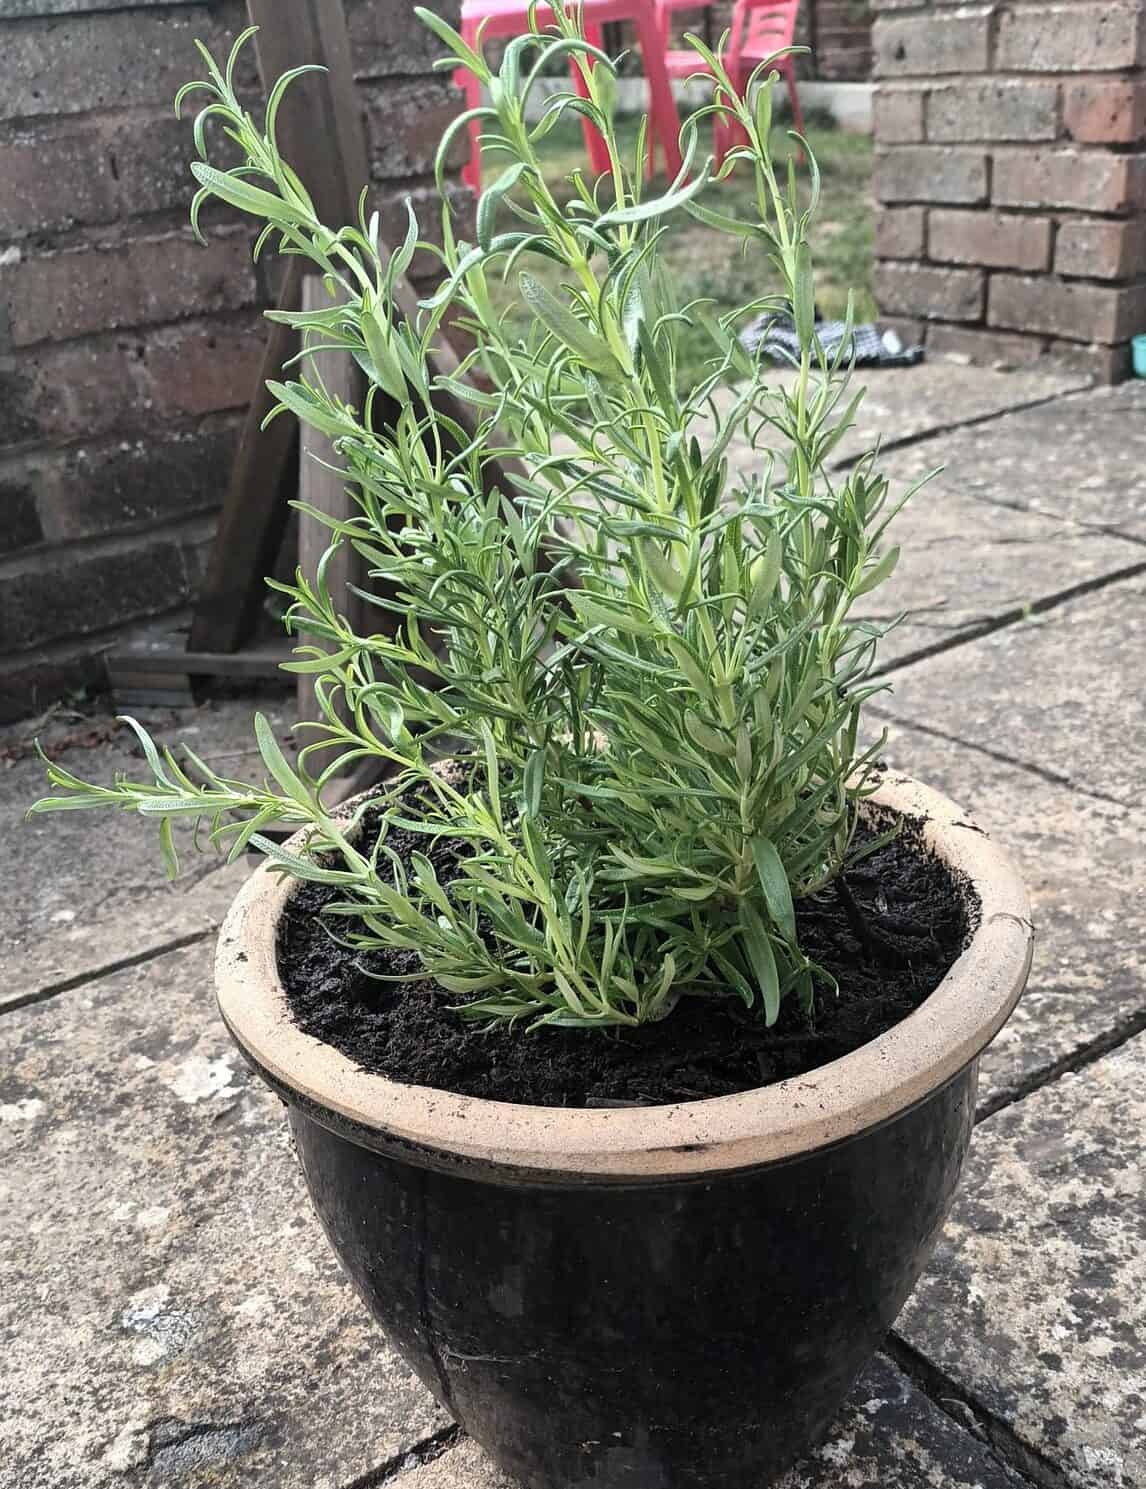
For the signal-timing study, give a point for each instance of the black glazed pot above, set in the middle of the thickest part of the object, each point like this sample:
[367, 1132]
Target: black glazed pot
[687, 1334]
[675, 1297]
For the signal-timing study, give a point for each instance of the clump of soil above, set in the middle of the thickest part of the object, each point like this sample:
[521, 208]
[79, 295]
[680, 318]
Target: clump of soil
[889, 938]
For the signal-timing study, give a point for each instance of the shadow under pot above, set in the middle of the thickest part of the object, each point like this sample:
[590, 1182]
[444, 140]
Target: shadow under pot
[670, 1297]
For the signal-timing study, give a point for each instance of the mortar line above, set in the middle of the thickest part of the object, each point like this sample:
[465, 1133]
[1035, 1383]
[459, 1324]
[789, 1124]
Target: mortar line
[1009, 617]
[1101, 529]
[1043, 772]
[1069, 1064]
[425, 1450]
[943, 1390]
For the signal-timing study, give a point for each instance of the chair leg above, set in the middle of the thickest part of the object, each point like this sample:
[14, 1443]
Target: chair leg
[469, 85]
[595, 147]
[663, 119]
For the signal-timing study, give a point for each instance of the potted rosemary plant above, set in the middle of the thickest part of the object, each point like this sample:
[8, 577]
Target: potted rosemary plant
[629, 1030]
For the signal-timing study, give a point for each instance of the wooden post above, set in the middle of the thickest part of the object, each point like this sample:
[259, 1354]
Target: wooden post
[326, 491]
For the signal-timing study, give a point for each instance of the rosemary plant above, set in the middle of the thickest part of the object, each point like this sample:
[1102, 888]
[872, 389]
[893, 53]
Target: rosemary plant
[646, 669]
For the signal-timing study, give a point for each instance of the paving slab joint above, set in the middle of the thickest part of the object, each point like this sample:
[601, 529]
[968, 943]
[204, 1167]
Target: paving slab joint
[958, 1403]
[94, 974]
[422, 1452]
[1043, 772]
[1011, 617]
[937, 431]
[1087, 1054]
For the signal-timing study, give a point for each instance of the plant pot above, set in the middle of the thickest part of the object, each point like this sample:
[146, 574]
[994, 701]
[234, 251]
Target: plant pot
[673, 1297]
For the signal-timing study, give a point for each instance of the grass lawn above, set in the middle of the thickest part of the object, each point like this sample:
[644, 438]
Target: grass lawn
[705, 263]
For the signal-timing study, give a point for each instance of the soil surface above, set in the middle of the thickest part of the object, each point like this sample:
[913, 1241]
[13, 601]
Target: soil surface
[888, 939]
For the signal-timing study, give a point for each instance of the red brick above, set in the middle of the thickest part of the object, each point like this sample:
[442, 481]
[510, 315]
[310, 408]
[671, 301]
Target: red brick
[1090, 181]
[983, 348]
[56, 296]
[115, 60]
[201, 367]
[60, 592]
[1069, 38]
[1066, 308]
[899, 232]
[427, 204]
[938, 42]
[926, 173]
[993, 109]
[1104, 113]
[930, 294]
[388, 40]
[79, 390]
[1101, 250]
[111, 485]
[898, 115]
[405, 122]
[20, 527]
[1105, 364]
[53, 179]
[995, 239]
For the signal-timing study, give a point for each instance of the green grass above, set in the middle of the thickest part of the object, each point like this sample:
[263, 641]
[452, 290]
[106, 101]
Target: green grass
[705, 263]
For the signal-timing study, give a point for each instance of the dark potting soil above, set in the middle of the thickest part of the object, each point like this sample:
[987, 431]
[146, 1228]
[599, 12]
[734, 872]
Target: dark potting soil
[889, 938]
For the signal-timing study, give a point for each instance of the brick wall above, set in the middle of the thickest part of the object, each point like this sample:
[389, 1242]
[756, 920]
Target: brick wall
[127, 351]
[1011, 178]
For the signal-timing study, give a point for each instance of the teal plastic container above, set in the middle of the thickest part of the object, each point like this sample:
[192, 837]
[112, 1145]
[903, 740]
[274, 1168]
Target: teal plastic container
[1138, 352]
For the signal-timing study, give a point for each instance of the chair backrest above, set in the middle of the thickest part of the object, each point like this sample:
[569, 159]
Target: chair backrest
[761, 27]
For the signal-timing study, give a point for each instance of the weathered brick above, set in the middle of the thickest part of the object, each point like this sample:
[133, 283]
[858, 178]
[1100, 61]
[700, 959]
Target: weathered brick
[19, 519]
[151, 158]
[926, 173]
[1088, 181]
[983, 348]
[36, 8]
[1101, 250]
[101, 488]
[427, 204]
[992, 109]
[61, 592]
[388, 40]
[1104, 112]
[113, 61]
[1105, 364]
[35, 679]
[899, 232]
[897, 115]
[200, 367]
[405, 122]
[77, 390]
[930, 294]
[995, 239]
[1066, 308]
[938, 42]
[1069, 38]
[56, 296]
[53, 179]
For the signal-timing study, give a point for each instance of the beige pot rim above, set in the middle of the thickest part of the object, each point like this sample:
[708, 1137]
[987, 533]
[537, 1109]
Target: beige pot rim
[796, 1116]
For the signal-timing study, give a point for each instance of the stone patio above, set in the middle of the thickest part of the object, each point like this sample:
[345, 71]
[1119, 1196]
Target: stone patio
[169, 1309]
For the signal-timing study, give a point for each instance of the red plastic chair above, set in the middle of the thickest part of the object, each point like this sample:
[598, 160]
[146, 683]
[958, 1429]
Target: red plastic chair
[759, 28]
[511, 18]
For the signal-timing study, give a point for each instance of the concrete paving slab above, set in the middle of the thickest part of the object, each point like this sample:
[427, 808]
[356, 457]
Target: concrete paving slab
[889, 1435]
[904, 403]
[1035, 1301]
[1062, 691]
[1084, 862]
[169, 1308]
[87, 891]
[964, 565]
[1081, 457]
